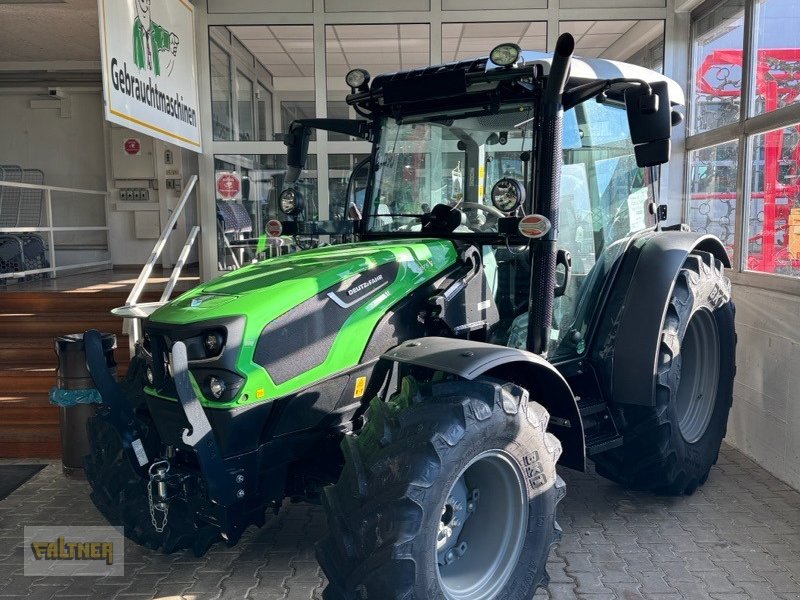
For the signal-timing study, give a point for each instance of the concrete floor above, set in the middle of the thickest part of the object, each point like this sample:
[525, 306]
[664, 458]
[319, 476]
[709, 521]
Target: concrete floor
[736, 538]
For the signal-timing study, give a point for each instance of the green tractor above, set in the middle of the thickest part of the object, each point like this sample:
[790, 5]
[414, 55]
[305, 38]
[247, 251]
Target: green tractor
[512, 301]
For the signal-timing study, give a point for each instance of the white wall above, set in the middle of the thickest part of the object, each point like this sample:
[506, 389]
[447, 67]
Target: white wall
[765, 418]
[67, 145]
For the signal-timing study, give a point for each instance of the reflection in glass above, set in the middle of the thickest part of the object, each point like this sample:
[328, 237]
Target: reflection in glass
[244, 103]
[222, 120]
[264, 111]
[242, 221]
[777, 45]
[773, 226]
[717, 66]
[712, 191]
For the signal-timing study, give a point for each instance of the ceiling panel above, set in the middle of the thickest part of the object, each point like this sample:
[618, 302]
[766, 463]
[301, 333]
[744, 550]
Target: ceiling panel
[386, 45]
[591, 40]
[252, 32]
[413, 60]
[576, 28]
[534, 43]
[285, 71]
[292, 32]
[612, 26]
[297, 45]
[363, 32]
[452, 30]
[263, 45]
[498, 31]
[536, 29]
[274, 58]
[414, 45]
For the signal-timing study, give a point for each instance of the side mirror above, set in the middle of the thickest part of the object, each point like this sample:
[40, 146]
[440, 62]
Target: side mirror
[650, 122]
[357, 189]
[297, 150]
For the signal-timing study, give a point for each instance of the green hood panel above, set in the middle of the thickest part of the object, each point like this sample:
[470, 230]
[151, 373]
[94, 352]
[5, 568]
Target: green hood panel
[266, 290]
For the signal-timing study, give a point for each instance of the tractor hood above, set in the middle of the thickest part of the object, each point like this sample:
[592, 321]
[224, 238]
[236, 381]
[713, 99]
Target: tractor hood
[271, 287]
[302, 317]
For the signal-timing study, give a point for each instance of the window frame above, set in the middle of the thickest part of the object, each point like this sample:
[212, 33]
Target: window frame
[744, 130]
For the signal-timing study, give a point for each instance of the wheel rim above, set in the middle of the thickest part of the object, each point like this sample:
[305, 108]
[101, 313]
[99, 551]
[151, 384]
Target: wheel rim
[486, 512]
[699, 377]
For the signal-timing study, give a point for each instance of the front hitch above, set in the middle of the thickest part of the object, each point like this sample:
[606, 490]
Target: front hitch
[120, 413]
[221, 485]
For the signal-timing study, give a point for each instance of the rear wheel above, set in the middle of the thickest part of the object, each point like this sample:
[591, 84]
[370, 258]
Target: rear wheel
[449, 492]
[670, 447]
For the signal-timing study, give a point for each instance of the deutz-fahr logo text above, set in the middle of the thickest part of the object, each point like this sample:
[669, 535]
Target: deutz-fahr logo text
[365, 285]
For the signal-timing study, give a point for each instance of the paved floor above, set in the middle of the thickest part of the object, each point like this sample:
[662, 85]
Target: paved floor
[736, 538]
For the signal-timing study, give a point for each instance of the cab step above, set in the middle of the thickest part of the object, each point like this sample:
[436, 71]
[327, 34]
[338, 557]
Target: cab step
[601, 432]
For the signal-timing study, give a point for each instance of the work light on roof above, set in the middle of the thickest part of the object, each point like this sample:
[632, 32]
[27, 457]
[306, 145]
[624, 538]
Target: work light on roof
[505, 55]
[357, 79]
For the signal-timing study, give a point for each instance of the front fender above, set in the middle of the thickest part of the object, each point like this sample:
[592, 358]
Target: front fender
[469, 360]
[626, 352]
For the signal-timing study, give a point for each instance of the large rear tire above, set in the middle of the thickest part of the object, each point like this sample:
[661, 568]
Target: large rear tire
[449, 492]
[669, 448]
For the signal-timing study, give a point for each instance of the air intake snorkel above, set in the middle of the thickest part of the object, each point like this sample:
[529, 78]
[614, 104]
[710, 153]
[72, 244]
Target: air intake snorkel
[547, 189]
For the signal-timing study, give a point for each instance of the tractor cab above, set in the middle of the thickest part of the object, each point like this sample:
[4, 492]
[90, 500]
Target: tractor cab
[455, 155]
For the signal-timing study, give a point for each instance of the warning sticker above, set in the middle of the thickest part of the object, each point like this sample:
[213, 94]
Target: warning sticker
[361, 386]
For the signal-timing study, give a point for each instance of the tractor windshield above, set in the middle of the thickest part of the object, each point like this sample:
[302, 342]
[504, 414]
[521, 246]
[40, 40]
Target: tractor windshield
[454, 162]
[604, 195]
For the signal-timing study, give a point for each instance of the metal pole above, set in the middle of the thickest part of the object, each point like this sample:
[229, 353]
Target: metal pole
[147, 269]
[50, 235]
[176, 270]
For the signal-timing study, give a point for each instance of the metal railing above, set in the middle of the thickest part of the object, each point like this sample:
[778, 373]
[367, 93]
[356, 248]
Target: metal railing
[16, 234]
[133, 311]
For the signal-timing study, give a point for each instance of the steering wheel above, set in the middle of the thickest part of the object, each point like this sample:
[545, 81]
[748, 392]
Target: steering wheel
[492, 213]
[495, 212]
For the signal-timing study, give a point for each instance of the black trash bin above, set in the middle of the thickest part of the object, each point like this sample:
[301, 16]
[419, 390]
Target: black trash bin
[76, 396]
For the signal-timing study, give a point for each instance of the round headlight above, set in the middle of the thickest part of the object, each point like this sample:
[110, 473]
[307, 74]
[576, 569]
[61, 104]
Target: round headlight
[216, 386]
[212, 343]
[357, 78]
[505, 55]
[507, 194]
[290, 201]
[149, 375]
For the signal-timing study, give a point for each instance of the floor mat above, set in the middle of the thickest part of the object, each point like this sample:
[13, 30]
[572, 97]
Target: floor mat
[13, 476]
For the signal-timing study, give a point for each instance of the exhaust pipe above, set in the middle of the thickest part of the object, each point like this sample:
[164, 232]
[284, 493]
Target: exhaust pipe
[546, 196]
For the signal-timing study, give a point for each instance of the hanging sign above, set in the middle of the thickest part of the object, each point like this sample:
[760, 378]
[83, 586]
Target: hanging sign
[229, 185]
[150, 68]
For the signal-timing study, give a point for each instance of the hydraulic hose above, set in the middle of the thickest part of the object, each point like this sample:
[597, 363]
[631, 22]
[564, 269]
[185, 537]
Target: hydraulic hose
[547, 190]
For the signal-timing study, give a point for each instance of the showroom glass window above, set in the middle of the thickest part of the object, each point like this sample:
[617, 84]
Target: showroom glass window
[776, 44]
[716, 81]
[757, 214]
[222, 120]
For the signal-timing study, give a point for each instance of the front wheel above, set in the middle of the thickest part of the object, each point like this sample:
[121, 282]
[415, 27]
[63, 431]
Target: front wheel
[449, 492]
[670, 447]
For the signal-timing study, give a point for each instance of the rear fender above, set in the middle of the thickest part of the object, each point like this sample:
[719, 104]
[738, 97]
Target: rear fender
[469, 359]
[626, 349]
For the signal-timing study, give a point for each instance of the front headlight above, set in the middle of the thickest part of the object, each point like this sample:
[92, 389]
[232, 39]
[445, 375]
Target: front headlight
[507, 194]
[505, 55]
[216, 386]
[291, 201]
